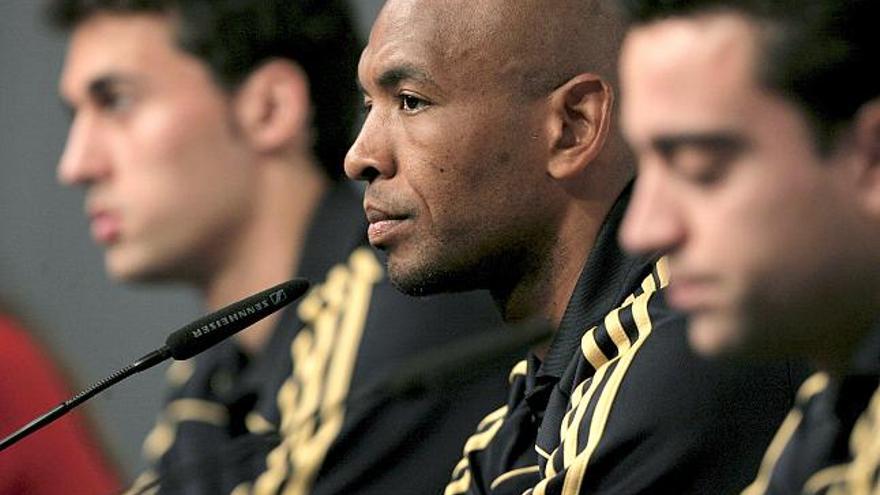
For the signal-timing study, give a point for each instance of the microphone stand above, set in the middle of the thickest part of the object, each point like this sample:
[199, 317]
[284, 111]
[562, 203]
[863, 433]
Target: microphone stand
[184, 343]
[144, 363]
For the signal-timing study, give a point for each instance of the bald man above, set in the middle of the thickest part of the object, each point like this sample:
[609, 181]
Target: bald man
[491, 161]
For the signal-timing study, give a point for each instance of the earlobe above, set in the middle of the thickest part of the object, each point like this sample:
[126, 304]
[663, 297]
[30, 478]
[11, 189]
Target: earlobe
[583, 119]
[272, 105]
[869, 132]
[867, 137]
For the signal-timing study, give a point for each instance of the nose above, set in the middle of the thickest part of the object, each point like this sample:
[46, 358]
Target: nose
[653, 221]
[371, 157]
[84, 159]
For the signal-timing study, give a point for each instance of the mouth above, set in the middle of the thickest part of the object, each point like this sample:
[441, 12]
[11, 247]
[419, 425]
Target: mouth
[384, 226]
[689, 294]
[105, 227]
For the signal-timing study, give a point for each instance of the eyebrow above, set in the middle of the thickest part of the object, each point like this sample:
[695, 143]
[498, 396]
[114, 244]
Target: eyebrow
[723, 141]
[99, 86]
[396, 74]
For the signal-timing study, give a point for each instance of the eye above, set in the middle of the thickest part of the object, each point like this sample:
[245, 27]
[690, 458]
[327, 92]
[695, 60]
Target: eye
[368, 105]
[115, 102]
[112, 98]
[705, 164]
[700, 166]
[412, 104]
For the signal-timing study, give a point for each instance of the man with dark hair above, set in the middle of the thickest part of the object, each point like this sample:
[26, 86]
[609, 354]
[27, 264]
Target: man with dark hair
[208, 136]
[757, 128]
[491, 162]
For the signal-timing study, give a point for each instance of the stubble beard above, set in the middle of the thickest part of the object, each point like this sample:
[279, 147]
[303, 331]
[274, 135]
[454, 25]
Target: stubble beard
[430, 275]
[457, 267]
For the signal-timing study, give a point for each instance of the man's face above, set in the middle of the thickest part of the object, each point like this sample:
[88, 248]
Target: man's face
[755, 222]
[153, 143]
[452, 153]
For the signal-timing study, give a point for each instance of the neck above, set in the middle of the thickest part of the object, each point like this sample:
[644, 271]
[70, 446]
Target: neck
[268, 248]
[544, 289]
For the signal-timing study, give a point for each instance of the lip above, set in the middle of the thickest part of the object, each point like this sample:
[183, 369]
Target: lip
[105, 227]
[690, 295]
[384, 226]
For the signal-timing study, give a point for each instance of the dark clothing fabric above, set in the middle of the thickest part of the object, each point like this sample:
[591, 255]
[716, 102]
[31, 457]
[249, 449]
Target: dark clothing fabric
[620, 404]
[300, 418]
[830, 441]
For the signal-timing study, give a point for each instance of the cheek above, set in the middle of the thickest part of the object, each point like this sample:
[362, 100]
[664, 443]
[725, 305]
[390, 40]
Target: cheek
[468, 166]
[183, 164]
[734, 232]
[771, 238]
[713, 334]
[176, 132]
[446, 167]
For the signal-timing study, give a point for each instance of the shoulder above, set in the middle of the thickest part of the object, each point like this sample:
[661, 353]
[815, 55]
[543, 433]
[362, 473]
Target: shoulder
[636, 384]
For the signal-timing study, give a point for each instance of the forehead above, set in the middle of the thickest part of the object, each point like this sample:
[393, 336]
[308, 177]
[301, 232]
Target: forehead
[434, 40]
[110, 44]
[681, 73]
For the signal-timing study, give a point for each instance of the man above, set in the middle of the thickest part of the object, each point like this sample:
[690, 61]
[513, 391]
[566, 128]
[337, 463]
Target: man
[757, 127]
[491, 162]
[209, 137]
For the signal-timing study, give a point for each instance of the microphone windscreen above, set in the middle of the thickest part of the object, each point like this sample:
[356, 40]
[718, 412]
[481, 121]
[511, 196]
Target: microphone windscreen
[211, 329]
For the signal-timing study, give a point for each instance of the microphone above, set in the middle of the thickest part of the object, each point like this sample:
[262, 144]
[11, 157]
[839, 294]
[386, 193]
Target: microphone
[182, 344]
[442, 368]
[211, 329]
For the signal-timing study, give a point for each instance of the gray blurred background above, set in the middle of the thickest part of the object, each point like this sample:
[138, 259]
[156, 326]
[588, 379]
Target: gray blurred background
[50, 271]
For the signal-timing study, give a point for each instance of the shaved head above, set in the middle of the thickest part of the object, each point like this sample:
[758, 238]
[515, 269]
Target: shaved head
[478, 112]
[527, 48]
[535, 45]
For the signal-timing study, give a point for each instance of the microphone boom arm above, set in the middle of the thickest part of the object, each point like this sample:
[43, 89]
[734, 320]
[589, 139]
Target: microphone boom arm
[144, 363]
[182, 344]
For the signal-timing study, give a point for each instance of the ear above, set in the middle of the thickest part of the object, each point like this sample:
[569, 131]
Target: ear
[867, 150]
[581, 113]
[272, 105]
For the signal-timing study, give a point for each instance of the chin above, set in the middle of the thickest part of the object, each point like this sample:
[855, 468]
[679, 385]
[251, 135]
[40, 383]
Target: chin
[417, 283]
[453, 265]
[128, 275]
[429, 279]
[136, 271]
[713, 337]
[120, 270]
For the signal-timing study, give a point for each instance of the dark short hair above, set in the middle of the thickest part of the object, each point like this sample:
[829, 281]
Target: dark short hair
[819, 54]
[233, 37]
